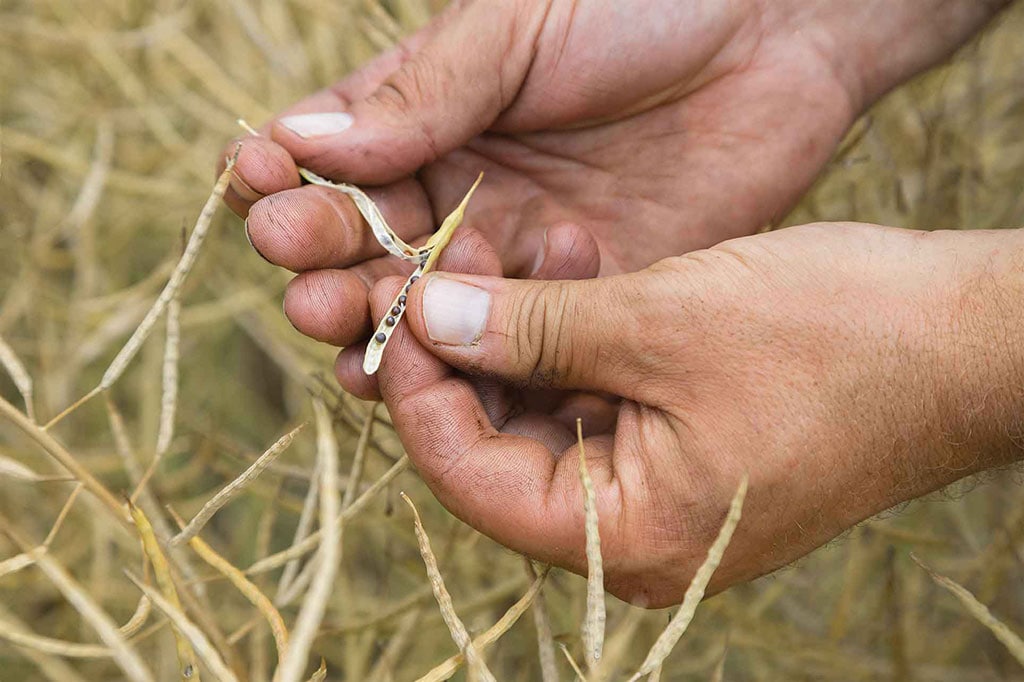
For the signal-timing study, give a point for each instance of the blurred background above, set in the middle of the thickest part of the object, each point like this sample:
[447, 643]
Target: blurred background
[113, 113]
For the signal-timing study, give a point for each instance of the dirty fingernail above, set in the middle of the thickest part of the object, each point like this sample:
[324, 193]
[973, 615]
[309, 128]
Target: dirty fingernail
[248, 236]
[455, 313]
[243, 189]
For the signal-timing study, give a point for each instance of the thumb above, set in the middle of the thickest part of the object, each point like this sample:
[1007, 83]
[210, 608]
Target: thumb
[584, 335]
[466, 67]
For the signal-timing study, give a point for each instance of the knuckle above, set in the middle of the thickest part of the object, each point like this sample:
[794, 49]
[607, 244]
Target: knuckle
[406, 92]
[543, 345]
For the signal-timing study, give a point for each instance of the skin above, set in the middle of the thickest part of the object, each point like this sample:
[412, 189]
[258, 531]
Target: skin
[845, 367]
[653, 133]
[818, 359]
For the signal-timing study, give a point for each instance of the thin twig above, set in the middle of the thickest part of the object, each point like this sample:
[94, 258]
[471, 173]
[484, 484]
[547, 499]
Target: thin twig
[170, 290]
[446, 669]
[1011, 640]
[19, 375]
[249, 590]
[695, 592]
[311, 614]
[62, 515]
[206, 652]
[457, 629]
[594, 622]
[126, 658]
[313, 541]
[59, 453]
[228, 492]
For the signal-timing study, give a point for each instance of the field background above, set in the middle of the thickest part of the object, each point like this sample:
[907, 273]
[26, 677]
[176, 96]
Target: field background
[112, 114]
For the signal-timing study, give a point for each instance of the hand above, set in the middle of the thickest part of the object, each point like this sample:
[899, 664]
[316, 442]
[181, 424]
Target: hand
[632, 132]
[845, 367]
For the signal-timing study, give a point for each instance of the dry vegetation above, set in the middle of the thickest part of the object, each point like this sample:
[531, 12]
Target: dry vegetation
[112, 114]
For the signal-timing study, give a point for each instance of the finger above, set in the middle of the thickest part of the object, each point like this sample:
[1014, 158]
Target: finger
[434, 102]
[262, 168]
[348, 368]
[316, 227]
[329, 306]
[507, 485]
[569, 251]
[598, 414]
[587, 335]
[268, 167]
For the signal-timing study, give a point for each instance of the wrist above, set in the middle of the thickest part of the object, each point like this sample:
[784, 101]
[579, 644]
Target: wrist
[939, 380]
[874, 45]
[983, 368]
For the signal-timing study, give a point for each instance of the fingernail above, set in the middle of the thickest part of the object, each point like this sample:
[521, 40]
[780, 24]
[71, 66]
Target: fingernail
[455, 313]
[315, 125]
[243, 189]
[248, 236]
[541, 252]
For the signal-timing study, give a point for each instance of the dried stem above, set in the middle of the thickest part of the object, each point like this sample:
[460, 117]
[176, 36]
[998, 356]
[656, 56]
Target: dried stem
[457, 629]
[59, 453]
[594, 622]
[310, 615]
[126, 658]
[228, 492]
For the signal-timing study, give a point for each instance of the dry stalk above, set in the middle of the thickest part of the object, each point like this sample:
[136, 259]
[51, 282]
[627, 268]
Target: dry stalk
[249, 590]
[15, 564]
[594, 622]
[313, 541]
[695, 592]
[572, 663]
[181, 271]
[64, 510]
[1011, 640]
[457, 629]
[356, 472]
[51, 666]
[446, 669]
[302, 530]
[298, 584]
[382, 669]
[718, 674]
[307, 623]
[162, 573]
[545, 640]
[232, 489]
[19, 375]
[206, 652]
[125, 657]
[25, 559]
[49, 645]
[65, 458]
[12, 468]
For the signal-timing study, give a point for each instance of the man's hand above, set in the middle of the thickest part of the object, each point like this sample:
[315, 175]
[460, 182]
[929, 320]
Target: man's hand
[612, 133]
[845, 367]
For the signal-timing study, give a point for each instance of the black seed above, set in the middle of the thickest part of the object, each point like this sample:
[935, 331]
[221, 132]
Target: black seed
[407, 288]
[396, 310]
[390, 321]
[412, 280]
[380, 337]
[402, 299]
